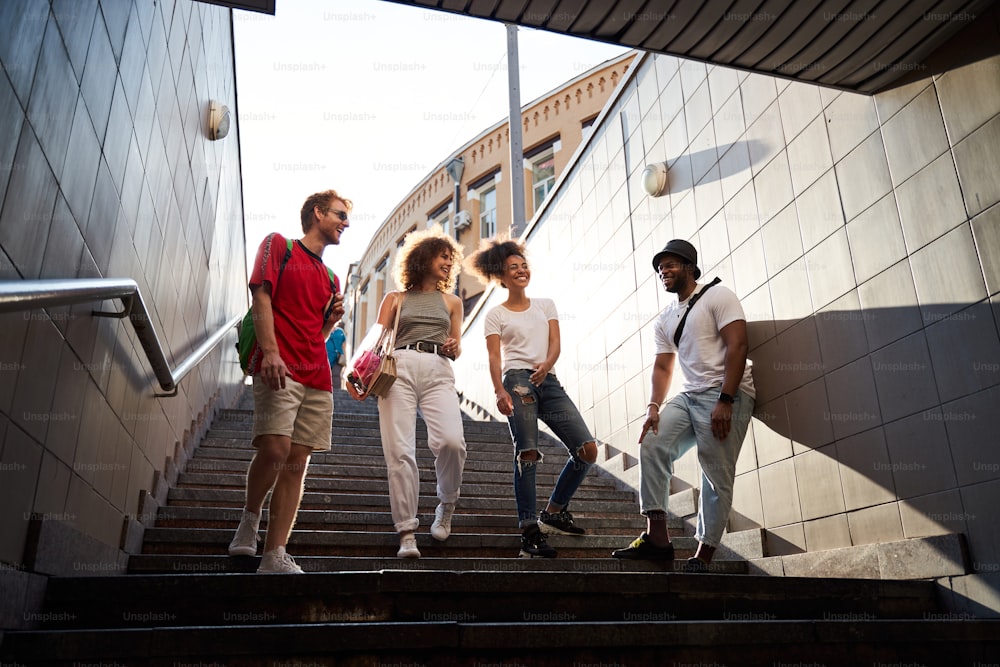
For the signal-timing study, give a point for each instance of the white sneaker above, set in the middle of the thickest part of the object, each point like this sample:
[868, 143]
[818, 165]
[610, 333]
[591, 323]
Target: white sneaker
[408, 547]
[277, 561]
[441, 528]
[245, 541]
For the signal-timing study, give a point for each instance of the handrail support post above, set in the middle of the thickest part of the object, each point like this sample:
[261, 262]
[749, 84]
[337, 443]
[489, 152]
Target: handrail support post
[126, 310]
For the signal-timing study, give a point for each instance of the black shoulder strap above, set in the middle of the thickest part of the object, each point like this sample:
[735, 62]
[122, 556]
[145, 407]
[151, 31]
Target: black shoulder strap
[690, 305]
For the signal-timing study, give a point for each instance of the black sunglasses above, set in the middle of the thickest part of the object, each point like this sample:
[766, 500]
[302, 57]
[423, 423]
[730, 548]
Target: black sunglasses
[340, 214]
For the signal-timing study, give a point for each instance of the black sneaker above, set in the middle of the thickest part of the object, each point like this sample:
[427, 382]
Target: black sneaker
[559, 523]
[642, 549]
[533, 544]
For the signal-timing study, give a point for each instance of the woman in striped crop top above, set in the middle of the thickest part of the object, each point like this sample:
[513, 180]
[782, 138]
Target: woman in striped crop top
[427, 340]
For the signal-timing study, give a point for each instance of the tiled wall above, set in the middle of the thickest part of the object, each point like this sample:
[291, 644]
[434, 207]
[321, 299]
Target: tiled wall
[106, 170]
[862, 235]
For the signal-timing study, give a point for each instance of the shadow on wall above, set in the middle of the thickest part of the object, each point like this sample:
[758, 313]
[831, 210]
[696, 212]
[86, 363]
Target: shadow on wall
[688, 169]
[891, 403]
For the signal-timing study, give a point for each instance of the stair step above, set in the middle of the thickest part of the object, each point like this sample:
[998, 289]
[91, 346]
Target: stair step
[220, 563]
[544, 478]
[323, 500]
[514, 596]
[371, 455]
[487, 432]
[214, 517]
[361, 543]
[482, 462]
[323, 484]
[529, 642]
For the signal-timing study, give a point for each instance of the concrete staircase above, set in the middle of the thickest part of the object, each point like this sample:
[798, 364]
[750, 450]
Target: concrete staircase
[467, 601]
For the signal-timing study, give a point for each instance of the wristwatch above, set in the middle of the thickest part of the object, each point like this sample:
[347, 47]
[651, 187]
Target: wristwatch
[726, 398]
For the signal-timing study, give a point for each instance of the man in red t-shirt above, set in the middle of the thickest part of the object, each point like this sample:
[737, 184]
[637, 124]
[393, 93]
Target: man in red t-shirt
[295, 307]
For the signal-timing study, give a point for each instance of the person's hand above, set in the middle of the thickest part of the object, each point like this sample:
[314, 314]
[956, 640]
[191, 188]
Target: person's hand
[273, 370]
[539, 373]
[335, 307]
[505, 404]
[652, 422]
[722, 419]
[451, 347]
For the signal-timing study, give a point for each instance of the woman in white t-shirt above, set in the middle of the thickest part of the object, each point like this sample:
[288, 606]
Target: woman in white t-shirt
[522, 339]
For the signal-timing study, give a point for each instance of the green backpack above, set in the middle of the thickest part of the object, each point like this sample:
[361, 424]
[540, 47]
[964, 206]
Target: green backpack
[246, 341]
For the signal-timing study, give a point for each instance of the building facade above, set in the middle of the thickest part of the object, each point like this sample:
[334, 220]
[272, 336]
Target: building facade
[553, 126]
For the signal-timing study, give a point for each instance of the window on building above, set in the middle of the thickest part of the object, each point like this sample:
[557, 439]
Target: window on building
[586, 127]
[488, 212]
[363, 300]
[442, 216]
[540, 161]
[380, 279]
[402, 239]
[543, 176]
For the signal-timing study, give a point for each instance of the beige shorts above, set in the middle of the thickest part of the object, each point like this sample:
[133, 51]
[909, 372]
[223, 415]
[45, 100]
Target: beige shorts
[303, 413]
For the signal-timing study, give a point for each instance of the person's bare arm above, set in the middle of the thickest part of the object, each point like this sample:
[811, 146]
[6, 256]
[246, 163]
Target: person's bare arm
[453, 344]
[663, 373]
[734, 335]
[504, 402]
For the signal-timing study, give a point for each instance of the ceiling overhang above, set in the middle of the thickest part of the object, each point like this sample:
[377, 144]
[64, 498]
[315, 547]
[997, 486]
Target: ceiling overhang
[859, 45]
[260, 6]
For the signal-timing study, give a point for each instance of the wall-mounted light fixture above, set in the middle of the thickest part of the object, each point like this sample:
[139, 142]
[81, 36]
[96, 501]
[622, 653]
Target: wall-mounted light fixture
[654, 179]
[218, 120]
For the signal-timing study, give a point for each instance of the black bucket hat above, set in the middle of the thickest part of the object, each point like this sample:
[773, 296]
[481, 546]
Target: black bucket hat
[682, 249]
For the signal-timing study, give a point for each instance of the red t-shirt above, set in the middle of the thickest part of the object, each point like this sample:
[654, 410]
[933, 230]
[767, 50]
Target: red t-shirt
[298, 299]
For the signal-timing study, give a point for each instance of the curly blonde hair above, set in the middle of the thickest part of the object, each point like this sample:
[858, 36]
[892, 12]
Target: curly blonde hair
[419, 249]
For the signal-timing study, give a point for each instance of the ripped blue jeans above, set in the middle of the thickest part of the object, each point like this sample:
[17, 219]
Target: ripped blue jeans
[549, 403]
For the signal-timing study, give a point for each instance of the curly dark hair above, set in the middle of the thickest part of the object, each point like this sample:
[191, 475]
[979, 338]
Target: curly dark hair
[488, 263]
[419, 249]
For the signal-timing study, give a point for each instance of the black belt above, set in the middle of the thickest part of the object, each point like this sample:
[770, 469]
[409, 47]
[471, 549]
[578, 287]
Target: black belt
[424, 346]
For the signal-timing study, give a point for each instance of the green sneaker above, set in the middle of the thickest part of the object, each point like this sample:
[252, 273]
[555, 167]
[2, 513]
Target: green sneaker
[643, 549]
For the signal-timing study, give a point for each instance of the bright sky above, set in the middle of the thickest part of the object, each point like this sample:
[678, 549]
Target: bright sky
[367, 97]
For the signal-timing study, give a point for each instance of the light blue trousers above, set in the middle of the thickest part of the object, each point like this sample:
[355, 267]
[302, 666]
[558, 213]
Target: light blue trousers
[686, 421]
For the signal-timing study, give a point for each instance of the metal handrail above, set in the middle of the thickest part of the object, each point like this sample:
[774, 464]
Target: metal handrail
[17, 295]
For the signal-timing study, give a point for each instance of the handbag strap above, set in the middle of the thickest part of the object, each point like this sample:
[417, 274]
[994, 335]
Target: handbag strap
[690, 305]
[395, 324]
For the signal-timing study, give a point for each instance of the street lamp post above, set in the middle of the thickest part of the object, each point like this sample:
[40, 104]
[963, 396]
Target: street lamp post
[455, 169]
[516, 145]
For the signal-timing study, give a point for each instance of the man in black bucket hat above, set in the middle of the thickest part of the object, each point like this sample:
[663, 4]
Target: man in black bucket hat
[712, 411]
[681, 249]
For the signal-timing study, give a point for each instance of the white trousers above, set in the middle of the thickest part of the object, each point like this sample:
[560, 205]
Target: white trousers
[424, 382]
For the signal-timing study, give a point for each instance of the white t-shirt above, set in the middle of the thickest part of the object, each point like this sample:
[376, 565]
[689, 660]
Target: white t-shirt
[524, 336]
[702, 352]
